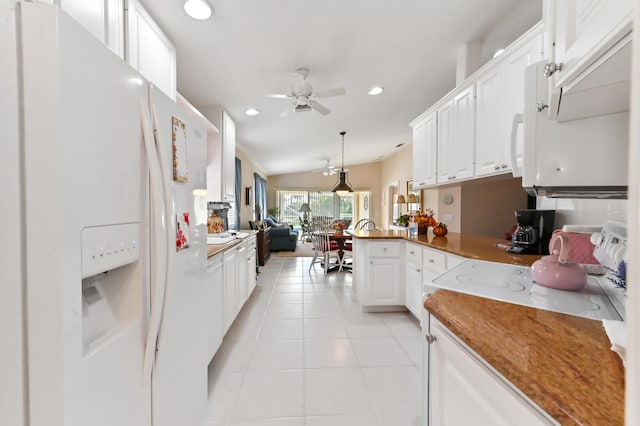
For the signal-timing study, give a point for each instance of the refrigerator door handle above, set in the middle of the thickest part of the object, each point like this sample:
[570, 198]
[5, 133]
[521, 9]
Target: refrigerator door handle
[157, 295]
[168, 212]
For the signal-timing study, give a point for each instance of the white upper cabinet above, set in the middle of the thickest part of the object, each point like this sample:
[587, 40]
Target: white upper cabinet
[456, 137]
[589, 47]
[445, 140]
[490, 118]
[149, 50]
[499, 97]
[228, 158]
[425, 142]
[102, 18]
[221, 156]
[582, 30]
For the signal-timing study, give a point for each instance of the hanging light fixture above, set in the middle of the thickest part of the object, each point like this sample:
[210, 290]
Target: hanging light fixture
[342, 188]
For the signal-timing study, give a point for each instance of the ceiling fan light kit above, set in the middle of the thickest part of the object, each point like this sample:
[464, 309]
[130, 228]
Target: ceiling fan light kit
[303, 96]
[198, 9]
[342, 188]
[376, 90]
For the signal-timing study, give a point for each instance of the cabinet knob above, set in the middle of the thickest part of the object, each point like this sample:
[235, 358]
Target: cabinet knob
[411, 252]
[384, 249]
[504, 166]
[550, 68]
[430, 338]
[430, 260]
[496, 168]
[418, 270]
[371, 262]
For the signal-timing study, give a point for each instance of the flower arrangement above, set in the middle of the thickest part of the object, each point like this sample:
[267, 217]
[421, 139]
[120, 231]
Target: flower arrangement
[339, 226]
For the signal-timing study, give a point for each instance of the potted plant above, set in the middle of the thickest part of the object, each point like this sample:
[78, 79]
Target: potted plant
[274, 212]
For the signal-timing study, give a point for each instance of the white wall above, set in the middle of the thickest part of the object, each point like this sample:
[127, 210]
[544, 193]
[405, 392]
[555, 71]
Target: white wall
[522, 17]
[248, 169]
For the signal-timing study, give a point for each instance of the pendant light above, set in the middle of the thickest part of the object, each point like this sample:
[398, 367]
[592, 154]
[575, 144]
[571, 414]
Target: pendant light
[342, 188]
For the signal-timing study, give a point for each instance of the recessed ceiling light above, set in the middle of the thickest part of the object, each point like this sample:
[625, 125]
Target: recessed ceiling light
[252, 111]
[376, 90]
[198, 9]
[498, 53]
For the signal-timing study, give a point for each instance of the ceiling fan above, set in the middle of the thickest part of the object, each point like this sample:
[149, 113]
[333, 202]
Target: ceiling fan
[328, 170]
[304, 98]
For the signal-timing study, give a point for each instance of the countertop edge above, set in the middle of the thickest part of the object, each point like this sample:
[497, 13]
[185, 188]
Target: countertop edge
[551, 346]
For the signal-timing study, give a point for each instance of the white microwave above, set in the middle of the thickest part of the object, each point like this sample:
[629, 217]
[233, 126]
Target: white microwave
[584, 158]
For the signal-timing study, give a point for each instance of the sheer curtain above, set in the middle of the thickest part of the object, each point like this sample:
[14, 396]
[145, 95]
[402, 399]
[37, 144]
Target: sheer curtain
[260, 185]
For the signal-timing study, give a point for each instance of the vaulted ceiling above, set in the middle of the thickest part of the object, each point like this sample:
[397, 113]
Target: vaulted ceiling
[250, 48]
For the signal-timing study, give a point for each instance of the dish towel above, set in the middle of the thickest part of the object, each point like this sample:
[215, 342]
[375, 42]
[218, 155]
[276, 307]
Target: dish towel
[617, 333]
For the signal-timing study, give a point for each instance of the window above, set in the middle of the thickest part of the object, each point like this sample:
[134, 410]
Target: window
[322, 203]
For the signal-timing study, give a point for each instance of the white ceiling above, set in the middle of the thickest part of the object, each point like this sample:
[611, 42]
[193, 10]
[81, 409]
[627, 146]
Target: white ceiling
[250, 48]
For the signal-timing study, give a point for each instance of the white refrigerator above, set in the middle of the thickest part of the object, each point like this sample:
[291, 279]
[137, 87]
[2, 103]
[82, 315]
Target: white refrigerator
[102, 319]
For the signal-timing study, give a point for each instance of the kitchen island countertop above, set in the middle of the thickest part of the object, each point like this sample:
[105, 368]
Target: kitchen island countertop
[561, 362]
[465, 245]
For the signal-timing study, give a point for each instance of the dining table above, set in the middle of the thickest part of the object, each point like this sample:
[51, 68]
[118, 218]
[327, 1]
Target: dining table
[341, 238]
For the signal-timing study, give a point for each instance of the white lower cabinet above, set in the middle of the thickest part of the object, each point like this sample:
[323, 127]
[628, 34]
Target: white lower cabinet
[413, 278]
[214, 297]
[239, 278]
[230, 288]
[378, 272]
[460, 389]
[251, 265]
[242, 285]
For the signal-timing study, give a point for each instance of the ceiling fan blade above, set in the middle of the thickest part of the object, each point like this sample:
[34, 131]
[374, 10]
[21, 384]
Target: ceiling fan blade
[279, 96]
[338, 91]
[319, 107]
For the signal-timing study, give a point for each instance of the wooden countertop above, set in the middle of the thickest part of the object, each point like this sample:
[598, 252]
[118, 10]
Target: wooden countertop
[213, 249]
[465, 245]
[561, 362]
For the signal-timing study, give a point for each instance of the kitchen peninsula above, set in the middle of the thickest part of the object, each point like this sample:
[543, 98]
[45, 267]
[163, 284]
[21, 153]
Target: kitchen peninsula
[517, 362]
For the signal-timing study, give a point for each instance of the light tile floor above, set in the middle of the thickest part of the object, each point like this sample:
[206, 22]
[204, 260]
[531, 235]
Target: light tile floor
[301, 353]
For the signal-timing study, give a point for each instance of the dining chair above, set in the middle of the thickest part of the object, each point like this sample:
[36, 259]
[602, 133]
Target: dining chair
[364, 225]
[324, 251]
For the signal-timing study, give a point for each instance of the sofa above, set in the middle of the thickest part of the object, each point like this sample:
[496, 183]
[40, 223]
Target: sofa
[283, 237]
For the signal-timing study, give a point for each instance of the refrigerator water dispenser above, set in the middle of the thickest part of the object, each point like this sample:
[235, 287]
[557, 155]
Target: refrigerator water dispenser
[112, 292]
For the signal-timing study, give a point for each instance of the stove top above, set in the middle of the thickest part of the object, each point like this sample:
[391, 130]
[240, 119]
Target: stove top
[513, 284]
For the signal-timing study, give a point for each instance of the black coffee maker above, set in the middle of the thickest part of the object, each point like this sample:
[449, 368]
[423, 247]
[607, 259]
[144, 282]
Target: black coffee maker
[534, 231]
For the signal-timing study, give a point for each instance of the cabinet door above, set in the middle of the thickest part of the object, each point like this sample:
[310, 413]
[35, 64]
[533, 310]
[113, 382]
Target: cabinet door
[491, 136]
[251, 272]
[102, 18]
[228, 158]
[215, 291]
[413, 288]
[425, 160]
[584, 30]
[230, 288]
[149, 51]
[419, 156]
[463, 391]
[242, 287]
[464, 130]
[384, 285]
[445, 142]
